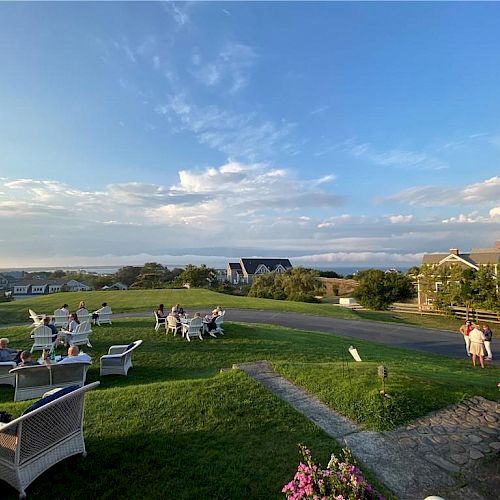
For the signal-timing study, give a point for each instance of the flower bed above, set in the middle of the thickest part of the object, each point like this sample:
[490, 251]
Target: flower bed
[341, 480]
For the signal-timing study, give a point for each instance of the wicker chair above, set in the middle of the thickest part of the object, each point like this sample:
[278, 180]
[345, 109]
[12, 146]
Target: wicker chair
[34, 442]
[118, 361]
[34, 381]
[5, 376]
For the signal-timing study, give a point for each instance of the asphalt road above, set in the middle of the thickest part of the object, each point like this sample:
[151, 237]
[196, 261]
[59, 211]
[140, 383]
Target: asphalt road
[441, 342]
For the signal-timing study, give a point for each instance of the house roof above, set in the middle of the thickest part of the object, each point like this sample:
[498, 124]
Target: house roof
[477, 256]
[235, 265]
[251, 265]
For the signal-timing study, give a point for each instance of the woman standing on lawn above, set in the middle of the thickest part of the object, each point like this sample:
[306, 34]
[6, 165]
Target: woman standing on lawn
[476, 345]
[487, 336]
[465, 329]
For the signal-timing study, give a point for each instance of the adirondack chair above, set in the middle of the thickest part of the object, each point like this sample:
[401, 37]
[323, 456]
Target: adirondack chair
[218, 322]
[60, 318]
[193, 329]
[42, 339]
[80, 336]
[104, 316]
[83, 315]
[37, 318]
[46, 433]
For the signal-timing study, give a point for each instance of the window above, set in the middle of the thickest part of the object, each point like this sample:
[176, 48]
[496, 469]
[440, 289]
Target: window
[439, 286]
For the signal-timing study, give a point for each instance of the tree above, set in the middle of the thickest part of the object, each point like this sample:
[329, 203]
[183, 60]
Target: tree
[378, 290]
[485, 289]
[127, 274]
[58, 274]
[298, 284]
[198, 277]
[329, 274]
[152, 275]
[301, 285]
[268, 286]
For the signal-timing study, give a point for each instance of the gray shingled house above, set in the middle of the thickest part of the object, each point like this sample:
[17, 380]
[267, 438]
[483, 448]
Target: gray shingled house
[244, 270]
[474, 259]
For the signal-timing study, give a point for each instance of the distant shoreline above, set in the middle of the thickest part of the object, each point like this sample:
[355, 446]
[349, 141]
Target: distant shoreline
[343, 270]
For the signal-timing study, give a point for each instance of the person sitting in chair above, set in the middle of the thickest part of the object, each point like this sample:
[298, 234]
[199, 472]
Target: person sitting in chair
[74, 356]
[6, 353]
[95, 314]
[47, 321]
[27, 359]
[162, 315]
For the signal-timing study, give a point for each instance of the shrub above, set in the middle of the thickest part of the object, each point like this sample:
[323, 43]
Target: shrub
[341, 480]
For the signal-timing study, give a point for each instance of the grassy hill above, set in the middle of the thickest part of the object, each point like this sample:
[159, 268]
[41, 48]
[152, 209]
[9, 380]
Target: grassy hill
[143, 300]
[177, 427]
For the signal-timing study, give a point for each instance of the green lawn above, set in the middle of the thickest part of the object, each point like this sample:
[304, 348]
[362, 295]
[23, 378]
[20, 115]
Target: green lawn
[141, 300]
[178, 428]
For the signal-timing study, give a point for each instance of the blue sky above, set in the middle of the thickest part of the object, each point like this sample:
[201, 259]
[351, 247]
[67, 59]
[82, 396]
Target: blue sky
[333, 133]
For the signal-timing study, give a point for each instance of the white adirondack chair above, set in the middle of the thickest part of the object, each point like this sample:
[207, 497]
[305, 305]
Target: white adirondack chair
[42, 339]
[37, 318]
[80, 336]
[193, 329]
[5, 376]
[218, 322]
[104, 316]
[60, 318]
[35, 441]
[83, 315]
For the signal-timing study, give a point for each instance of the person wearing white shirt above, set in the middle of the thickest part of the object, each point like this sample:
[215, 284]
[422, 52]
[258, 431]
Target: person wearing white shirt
[476, 345]
[74, 356]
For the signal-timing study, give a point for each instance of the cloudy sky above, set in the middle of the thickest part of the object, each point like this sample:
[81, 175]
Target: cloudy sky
[336, 134]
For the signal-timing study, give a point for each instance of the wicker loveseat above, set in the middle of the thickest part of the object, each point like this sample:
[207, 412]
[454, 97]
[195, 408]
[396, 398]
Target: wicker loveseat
[34, 381]
[37, 440]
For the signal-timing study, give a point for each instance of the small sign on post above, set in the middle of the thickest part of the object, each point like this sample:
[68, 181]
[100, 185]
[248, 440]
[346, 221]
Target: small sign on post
[354, 353]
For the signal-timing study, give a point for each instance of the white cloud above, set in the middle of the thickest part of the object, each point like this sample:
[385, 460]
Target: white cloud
[495, 212]
[395, 157]
[399, 219]
[236, 135]
[231, 66]
[436, 196]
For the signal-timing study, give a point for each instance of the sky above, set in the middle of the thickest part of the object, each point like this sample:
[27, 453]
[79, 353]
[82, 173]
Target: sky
[335, 134]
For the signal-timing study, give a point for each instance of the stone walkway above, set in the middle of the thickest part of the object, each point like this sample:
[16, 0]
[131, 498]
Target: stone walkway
[420, 459]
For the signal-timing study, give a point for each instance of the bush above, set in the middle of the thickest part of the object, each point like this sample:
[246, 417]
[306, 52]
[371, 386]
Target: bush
[341, 480]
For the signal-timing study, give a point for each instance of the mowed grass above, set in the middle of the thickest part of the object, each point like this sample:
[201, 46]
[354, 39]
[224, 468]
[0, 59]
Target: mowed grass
[178, 428]
[143, 300]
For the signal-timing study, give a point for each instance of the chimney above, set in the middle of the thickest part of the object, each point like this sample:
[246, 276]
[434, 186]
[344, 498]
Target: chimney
[454, 251]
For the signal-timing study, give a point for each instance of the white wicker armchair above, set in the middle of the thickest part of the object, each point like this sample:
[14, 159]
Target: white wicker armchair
[118, 361]
[5, 376]
[34, 442]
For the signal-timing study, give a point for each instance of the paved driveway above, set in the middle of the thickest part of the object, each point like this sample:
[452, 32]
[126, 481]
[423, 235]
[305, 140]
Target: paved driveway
[441, 342]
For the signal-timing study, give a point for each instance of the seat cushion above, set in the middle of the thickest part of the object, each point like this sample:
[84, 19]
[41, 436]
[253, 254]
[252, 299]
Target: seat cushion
[52, 397]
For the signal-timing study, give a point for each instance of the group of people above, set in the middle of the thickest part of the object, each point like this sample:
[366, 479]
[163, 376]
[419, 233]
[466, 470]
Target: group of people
[179, 314]
[25, 358]
[477, 340]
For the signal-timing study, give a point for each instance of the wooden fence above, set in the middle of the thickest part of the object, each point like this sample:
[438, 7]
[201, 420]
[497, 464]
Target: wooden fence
[458, 312]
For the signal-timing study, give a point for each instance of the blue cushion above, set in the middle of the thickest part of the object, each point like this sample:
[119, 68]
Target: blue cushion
[52, 397]
[130, 346]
